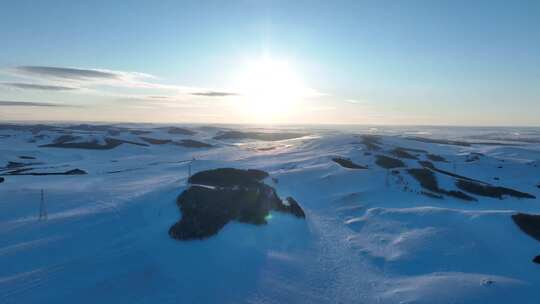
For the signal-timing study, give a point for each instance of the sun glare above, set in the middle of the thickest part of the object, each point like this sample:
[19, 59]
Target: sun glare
[271, 90]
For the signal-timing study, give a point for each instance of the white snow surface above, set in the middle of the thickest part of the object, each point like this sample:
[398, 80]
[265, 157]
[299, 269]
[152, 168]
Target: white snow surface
[364, 239]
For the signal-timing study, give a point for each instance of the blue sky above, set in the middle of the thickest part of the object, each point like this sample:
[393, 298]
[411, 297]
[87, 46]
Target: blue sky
[382, 62]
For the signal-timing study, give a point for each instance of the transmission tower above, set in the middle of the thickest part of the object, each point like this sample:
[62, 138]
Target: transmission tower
[190, 164]
[42, 207]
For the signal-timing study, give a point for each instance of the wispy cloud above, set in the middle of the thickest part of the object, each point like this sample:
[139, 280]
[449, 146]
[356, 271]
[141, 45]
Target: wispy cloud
[8, 103]
[33, 86]
[106, 84]
[55, 78]
[70, 73]
[84, 78]
[214, 94]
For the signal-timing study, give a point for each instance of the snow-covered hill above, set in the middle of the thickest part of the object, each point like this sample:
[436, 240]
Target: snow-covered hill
[428, 221]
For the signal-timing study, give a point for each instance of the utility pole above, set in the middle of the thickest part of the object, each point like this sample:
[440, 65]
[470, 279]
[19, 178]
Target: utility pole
[42, 207]
[189, 167]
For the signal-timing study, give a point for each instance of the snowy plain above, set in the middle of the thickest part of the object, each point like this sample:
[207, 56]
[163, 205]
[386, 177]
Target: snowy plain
[370, 235]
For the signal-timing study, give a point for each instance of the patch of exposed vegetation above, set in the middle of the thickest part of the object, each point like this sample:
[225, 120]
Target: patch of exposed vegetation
[402, 153]
[190, 143]
[21, 170]
[347, 163]
[257, 135]
[493, 137]
[227, 195]
[140, 132]
[65, 138]
[156, 141]
[428, 181]
[388, 162]
[11, 165]
[436, 158]
[180, 131]
[228, 177]
[291, 206]
[460, 195]
[113, 130]
[110, 143]
[431, 194]
[440, 141]
[25, 172]
[477, 187]
[528, 223]
[371, 142]
[490, 191]
[431, 166]
[426, 178]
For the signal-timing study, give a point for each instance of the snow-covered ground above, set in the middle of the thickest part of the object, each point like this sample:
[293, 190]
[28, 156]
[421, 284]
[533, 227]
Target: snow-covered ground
[370, 235]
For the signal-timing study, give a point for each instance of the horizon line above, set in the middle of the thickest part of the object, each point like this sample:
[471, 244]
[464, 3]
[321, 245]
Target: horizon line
[263, 124]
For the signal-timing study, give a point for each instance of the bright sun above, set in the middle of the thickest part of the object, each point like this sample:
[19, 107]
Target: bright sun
[270, 90]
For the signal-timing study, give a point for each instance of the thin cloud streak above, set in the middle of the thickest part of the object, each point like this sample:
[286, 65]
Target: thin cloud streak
[9, 103]
[214, 94]
[67, 76]
[85, 78]
[33, 86]
[68, 73]
[102, 86]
